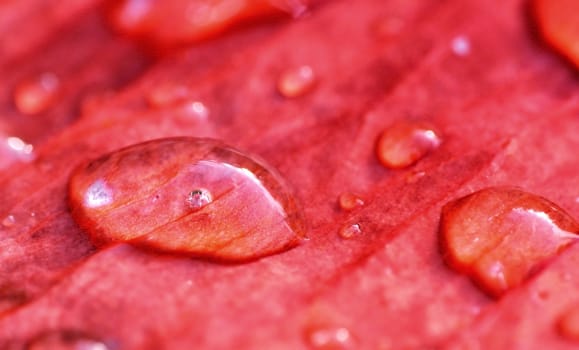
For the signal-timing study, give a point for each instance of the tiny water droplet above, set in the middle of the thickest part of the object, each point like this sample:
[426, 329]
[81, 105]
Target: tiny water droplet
[499, 236]
[152, 187]
[568, 324]
[9, 221]
[329, 338]
[35, 95]
[296, 82]
[404, 143]
[65, 340]
[460, 46]
[350, 230]
[350, 201]
[199, 198]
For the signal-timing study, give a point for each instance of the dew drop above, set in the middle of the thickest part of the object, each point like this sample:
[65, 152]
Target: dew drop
[35, 95]
[296, 82]
[405, 143]
[199, 198]
[460, 45]
[499, 236]
[568, 324]
[329, 338]
[350, 201]
[350, 230]
[66, 340]
[9, 221]
[190, 196]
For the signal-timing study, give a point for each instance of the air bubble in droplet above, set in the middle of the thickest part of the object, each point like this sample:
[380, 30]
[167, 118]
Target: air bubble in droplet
[296, 82]
[35, 95]
[199, 198]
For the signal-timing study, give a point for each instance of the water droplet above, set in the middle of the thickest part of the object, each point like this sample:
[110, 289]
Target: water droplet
[199, 198]
[350, 230]
[9, 221]
[499, 236]
[460, 46]
[150, 189]
[35, 95]
[329, 338]
[66, 340]
[350, 201]
[296, 82]
[568, 324]
[405, 143]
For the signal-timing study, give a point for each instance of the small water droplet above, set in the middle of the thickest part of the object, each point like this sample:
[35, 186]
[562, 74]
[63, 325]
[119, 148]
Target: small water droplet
[499, 236]
[9, 221]
[568, 324]
[35, 95]
[296, 82]
[329, 338]
[199, 198]
[460, 46]
[350, 230]
[404, 143]
[350, 201]
[65, 340]
[252, 211]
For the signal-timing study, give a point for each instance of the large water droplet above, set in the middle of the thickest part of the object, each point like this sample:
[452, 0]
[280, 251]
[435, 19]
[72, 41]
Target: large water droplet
[350, 201]
[35, 95]
[404, 143]
[499, 236]
[186, 195]
[568, 324]
[329, 338]
[65, 340]
[296, 81]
